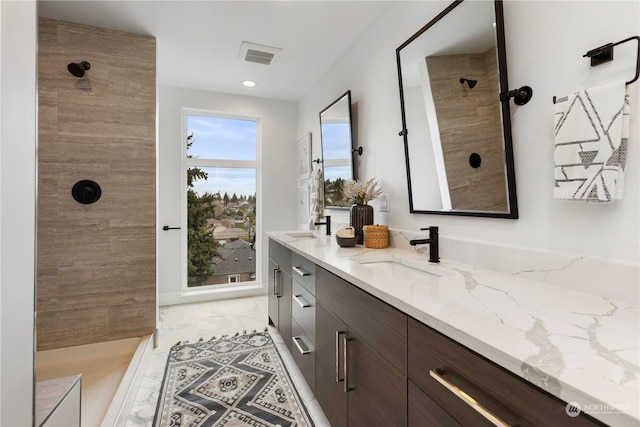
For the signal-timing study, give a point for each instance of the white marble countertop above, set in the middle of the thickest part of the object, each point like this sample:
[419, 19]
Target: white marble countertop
[581, 348]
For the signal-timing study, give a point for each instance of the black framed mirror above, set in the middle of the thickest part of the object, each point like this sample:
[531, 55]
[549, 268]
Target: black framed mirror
[456, 130]
[337, 150]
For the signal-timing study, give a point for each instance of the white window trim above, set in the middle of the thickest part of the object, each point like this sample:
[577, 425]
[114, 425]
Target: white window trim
[234, 289]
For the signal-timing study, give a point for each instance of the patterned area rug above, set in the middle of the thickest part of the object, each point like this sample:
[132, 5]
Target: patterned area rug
[236, 381]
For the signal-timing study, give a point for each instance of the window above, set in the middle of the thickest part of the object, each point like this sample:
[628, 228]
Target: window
[221, 175]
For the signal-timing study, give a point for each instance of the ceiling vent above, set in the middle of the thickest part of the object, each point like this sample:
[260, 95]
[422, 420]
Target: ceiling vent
[258, 53]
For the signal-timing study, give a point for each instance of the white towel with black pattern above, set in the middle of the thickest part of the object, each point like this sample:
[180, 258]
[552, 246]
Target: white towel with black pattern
[591, 134]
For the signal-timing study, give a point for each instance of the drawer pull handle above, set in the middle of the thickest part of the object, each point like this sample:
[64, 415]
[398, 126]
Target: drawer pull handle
[338, 333]
[345, 366]
[296, 341]
[300, 271]
[301, 302]
[436, 374]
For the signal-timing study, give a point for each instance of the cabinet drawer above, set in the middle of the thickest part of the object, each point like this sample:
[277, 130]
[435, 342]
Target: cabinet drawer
[280, 255]
[304, 354]
[381, 326]
[304, 310]
[424, 412]
[502, 393]
[304, 271]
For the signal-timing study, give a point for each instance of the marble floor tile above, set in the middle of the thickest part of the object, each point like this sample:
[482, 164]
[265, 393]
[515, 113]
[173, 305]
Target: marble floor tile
[190, 322]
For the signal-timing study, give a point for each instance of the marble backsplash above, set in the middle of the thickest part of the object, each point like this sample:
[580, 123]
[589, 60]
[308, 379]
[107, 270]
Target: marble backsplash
[604, 278]
[595, 276]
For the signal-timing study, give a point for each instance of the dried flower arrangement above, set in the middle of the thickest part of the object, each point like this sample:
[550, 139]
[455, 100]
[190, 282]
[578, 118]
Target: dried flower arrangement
[361, 193]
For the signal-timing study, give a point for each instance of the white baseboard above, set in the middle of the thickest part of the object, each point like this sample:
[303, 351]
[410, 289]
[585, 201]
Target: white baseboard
[211, 294]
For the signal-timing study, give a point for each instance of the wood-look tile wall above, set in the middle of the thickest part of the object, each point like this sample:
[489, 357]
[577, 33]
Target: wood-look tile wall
[470, 122]
[97, 262]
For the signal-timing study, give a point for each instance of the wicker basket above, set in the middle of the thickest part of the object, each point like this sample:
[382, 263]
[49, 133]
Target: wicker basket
[376, 236]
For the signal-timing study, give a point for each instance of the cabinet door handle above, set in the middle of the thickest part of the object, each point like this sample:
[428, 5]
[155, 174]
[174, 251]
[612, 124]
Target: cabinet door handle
[437, 375]
[301, 302]
[338, 333]
[276, 282]
[345, 366]
[296, 341]
[300, 271]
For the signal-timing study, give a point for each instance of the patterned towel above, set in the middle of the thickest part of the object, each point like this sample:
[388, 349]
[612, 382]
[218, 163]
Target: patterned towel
[591, 133]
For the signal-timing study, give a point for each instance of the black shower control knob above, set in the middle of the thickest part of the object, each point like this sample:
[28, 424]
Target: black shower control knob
[475, 160]
[86, 192]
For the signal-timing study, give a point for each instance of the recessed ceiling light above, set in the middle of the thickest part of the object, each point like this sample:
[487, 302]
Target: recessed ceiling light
[249, 83]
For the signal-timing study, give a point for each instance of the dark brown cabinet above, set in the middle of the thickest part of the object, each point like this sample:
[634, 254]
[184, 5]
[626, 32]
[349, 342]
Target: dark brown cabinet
[330, 388]
[445, 370]
[360, 354]
[424, 412]
[304, 272]
[280, 289]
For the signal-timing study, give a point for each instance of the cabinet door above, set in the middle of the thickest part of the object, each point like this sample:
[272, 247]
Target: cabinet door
[285, 313]
[329, 366]
[383, 327]
[377, 390]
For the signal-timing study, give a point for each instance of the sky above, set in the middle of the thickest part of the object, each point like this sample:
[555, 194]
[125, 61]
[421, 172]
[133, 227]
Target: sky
[224, 139]
[336, 141]
[235, 139]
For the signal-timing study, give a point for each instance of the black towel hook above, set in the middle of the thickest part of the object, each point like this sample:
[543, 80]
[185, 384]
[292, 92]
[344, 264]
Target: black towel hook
[604, 53]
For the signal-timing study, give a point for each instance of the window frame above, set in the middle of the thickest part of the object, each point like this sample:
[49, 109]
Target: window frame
[186, 162]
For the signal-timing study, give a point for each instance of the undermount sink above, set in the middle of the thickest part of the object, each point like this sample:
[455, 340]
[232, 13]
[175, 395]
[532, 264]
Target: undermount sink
[300, 234]
[399, 267]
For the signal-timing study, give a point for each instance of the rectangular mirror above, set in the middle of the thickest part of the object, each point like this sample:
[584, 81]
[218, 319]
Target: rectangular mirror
[337, 150]
[457, 131]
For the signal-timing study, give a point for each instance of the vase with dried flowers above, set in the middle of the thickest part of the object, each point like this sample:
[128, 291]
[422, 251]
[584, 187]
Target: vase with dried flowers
[361, 213]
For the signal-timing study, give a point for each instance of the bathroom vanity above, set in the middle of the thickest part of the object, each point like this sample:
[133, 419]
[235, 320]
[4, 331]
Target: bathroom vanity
[385, 338]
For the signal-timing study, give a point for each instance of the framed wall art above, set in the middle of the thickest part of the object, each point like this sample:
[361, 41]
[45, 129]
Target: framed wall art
[304, 157]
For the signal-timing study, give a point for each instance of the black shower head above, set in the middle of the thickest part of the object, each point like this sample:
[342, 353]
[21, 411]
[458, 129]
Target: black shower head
[471, 83]
[78, 69]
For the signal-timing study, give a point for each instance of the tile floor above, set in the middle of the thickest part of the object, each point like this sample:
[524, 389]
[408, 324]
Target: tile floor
[204, 320]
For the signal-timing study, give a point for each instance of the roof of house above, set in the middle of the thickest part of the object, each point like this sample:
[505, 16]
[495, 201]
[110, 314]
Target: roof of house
[236, 257]
[225, 233]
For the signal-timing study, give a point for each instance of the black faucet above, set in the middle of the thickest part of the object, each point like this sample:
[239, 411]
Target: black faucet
[432, 241]
[326, 223]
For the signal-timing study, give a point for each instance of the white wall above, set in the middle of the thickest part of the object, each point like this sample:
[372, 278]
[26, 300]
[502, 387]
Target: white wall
[17, 218]
[279, 182]
[545, 42]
